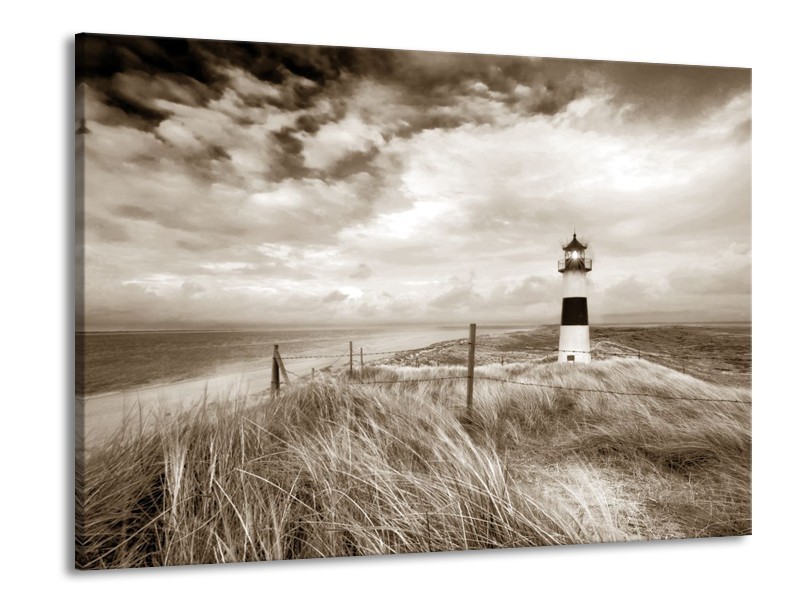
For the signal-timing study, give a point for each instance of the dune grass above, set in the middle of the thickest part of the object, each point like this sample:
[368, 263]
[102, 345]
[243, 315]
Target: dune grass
[340, 468]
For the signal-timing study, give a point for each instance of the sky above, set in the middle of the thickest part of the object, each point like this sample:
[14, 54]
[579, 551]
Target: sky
[231, 185]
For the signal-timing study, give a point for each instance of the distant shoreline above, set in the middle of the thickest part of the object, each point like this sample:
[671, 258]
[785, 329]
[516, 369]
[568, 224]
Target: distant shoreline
[235, 372]
[262, 328]
[136, 362]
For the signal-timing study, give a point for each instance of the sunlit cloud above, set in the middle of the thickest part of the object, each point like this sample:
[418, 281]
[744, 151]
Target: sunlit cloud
[378, 187]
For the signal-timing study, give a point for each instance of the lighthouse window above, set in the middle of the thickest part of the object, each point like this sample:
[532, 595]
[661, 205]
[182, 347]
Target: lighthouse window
[570, 358]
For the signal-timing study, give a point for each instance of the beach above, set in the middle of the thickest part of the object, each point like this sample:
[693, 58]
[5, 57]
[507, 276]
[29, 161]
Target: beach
[137, 407]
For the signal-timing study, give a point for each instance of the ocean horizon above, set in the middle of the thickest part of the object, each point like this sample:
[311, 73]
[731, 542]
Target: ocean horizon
[127, 360]
[119, 361]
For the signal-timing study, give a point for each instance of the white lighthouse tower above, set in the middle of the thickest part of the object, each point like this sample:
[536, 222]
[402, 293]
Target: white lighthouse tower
[573, 343]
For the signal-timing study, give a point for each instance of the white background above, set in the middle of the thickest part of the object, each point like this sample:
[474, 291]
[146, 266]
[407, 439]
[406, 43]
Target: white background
[35, 523]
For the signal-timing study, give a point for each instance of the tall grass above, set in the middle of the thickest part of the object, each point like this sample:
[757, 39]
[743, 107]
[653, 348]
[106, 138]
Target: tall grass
[340, 468]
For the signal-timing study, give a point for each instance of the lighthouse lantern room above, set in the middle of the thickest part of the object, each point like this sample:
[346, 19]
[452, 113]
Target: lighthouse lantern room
[573, 343]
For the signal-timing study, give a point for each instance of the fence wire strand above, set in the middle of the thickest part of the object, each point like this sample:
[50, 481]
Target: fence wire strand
[632, 354]
[613, 392]
[299, 357]
[552, 387]
[355, 354]
[392, 381]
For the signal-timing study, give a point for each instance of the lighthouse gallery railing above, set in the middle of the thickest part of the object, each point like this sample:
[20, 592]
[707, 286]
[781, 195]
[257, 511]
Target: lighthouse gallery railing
[574, 263]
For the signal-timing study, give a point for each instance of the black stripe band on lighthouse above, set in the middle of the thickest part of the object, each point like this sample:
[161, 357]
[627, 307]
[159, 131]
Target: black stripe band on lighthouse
[573, 341]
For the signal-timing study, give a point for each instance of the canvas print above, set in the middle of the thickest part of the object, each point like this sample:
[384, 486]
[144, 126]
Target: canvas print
[340, 301]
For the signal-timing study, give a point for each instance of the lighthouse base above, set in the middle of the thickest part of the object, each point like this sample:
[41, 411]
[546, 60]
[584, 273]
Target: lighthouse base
[573, 344]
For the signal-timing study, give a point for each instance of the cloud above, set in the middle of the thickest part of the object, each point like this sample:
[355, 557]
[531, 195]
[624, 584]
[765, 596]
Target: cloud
[459, 295]
[727, 274]
[631, 294]
[362, 271]
[191, 288]
[335, 296]
[335, 141]
[135, 212]
[104, 230]
[534, 289]
[259, 177]
[671, 92]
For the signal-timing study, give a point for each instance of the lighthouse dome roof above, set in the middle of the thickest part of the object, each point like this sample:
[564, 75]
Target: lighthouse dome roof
[574, 244]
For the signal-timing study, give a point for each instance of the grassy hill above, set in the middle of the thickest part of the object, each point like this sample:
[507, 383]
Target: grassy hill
[340, 467]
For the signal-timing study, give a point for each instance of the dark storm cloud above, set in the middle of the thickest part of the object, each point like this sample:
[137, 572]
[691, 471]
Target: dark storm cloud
[440, 86]
[352, 164]
[436, 78]
[134, 71]
[141, 115]
[289, 158]
[105, 55]
[225, 179]
[216, 152]
[272, 62]
[195, 65]
[289, 161]
[144, 90]
[141, 82]
[308, 124]
[671, 91]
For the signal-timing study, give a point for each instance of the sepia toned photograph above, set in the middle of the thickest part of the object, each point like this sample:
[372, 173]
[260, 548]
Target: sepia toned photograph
[336, 301]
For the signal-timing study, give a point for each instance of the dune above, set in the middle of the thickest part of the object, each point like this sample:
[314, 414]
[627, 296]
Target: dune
[343, 468]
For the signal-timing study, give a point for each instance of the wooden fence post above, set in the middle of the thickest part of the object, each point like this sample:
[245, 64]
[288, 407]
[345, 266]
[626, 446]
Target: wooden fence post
[284, 374]
[312, 373]
[362, 358]
[351, 360]
[275, 388]
[470, 365]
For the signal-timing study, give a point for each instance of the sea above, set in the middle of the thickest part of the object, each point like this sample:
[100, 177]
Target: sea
[108, 362]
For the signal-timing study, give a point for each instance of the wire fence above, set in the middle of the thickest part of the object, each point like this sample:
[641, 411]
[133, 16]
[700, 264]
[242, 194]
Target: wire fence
[310, 356]
[632, 353]
[405, 381]
[612, 392]
[547, 386]
[530, 352]
[636, 353]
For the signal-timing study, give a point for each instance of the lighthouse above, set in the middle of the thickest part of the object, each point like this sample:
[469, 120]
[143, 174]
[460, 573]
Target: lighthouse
[573, 343]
